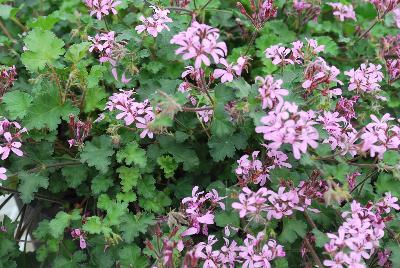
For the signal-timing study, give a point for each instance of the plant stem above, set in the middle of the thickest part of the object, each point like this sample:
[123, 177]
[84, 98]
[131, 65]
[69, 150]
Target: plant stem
[190, 109]
[6, 32]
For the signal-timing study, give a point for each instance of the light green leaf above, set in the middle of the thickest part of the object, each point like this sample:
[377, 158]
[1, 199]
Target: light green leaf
[97, 153]
[17, 103]
[132, 154]
[292, 229]
[43, 47]
[77, 52]
[133, 225]
[30, 184]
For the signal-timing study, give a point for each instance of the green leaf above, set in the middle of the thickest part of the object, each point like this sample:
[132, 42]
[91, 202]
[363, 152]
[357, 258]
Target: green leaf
[387, 183]
[95, 99]
[30, 184]
[391, 158]
[168, 164]
[182, 153]
[146, 187]
[97, 153]
[93, 225]
[225, 218]
[46, 111]
[394, 257]
[320, 238]
[44, 23]
[133, 225]
[61, 221]
[74, 175]
[292, 229]
[96, 73]
[132, 154]
[43, 48]
[77, 52]
[129, 177]
[132, 257]
[5, 11]
[17, 103]
[156, 203]
[101, 183]
[220, 148]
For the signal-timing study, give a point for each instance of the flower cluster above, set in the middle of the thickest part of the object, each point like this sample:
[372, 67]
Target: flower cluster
[131, 111]
[156, 23]
[10, 138]
[260, 13]
[279, 204]
[366, 78]
[230, 70]
[287, 125]
[7, 78]
[396, 15]
[103, 44]
[307, 9]
[296, 55]
[358, 237]
[271, 91]
[255, 171]
[78, 131]
[343, 12]
[379, 136]
[200, 41]
[255, 252]
[384, 6]
[77, 233]
[102, 7]
[319, 73]
[345, 107]
[352, 179]
[199, 210]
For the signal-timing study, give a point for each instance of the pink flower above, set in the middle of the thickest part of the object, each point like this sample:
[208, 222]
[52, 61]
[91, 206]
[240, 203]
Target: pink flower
[76, 233]
[200, 41]
[365, 79]
[7, 78]
[102, 7]
[155, 24]
[343, 12]
[230, 71]
[287, 125]
[10, 146]
[131, 111]
[271, 91]
[260, 13]
[396, 15]
[3, 175]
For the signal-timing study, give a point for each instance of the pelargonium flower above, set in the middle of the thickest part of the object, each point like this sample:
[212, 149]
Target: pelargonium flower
[3, 175]
[319, 73]
[156, 23]
[102, 7]
[379, 136]
[307, 9]
[10, 138]
[199, 210]
[77, 233]
[345, 107]
[271, 91]
[131, 111]
[200, 41]
[384, 6]
[78, 131]
[396, 15]
[366, 78]
[103, 44]
[358, 237]
[7, 78]
[230, 70]
[286, 125]
[343, 12]
[260, 13]
[205, 115]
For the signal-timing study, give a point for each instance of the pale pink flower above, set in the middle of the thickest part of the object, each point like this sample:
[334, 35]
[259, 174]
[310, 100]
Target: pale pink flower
[77, 233]
[10, 146]
[271, 91]
[3, 175]
[396, 15]
[102, 7]
[200, 41]
[343, 12]
[366, 78]
[155, 24]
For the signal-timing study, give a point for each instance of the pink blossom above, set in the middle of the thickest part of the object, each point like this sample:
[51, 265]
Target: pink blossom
[271, 91]
[3, 175]
[200, 41]
[287, 125]
[155, 24]
[199, 210]
[102, 7]
[365, 78]
[396, 15]
[279, 55]
[78, 131]
[358, 237]
[131, 111]
[230, 70]
[320, 74]
[345, 107]
[10, 146]
[7, 78]
[77, 233]
[342, 12]
[260, 13]
[205, 115]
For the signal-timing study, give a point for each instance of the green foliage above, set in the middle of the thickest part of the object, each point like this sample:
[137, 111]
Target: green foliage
[30, 184]
[97, 153]
[43, 48]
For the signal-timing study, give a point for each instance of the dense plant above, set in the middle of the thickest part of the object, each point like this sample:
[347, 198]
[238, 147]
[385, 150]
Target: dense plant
[200, 133]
